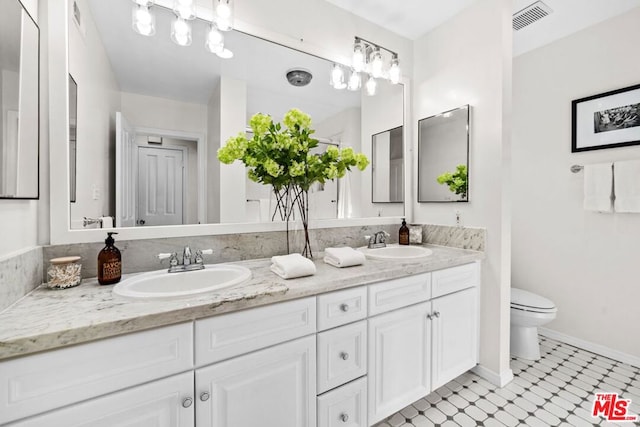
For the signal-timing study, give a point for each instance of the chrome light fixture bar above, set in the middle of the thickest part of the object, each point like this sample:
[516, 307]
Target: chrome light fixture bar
[370, 62]
[144, 23]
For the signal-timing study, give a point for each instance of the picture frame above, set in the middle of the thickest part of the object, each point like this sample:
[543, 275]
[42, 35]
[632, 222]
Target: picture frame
[606, 120]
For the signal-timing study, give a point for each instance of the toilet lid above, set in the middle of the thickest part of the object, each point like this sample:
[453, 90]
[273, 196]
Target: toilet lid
[530, 301]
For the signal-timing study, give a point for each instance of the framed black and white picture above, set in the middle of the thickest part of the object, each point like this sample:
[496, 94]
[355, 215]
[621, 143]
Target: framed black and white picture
[607, 120]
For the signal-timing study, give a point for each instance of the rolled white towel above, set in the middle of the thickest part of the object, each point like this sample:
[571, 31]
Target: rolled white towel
[292, 266]
[343, 257]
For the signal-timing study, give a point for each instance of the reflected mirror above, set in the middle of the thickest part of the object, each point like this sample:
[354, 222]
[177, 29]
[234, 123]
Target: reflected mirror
[19, 92]
[443, 157]
[388, 167]
[73, 118]
[146, 153]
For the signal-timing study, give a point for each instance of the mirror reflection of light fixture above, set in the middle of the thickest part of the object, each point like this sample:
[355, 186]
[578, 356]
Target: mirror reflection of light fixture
[369, 61]
[185, 9]
[181, 32]
[371, 85]
[355, 82]
[144, 22]
[337, 77]
[223, 14]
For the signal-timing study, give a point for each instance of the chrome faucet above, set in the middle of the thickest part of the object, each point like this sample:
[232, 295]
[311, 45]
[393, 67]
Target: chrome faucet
[377, 240]
[189, 261]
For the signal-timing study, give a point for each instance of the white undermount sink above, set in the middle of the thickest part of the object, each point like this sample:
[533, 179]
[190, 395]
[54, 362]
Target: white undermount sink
[397, 252]
[161, 284]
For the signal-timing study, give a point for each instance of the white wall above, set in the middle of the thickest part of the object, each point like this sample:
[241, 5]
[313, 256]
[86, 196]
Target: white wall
[467, 60]
[19, 219]
[98, 101]
[162, 113]
[585, 262]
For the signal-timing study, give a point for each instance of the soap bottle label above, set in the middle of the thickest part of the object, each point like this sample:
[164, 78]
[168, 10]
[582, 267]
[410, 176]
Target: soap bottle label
[111, 270]
[404, 239]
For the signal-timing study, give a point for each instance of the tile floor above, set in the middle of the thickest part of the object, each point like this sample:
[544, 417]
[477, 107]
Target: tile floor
[557, 390]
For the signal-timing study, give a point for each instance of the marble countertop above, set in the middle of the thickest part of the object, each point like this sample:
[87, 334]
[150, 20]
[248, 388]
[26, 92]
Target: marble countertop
[46, 319]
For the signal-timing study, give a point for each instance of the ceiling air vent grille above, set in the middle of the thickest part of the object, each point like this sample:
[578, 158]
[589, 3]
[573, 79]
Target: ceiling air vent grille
[530, 14]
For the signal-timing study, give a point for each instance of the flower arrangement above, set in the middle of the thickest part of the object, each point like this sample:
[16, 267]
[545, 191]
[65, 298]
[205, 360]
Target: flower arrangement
[457, 181]
[279, 154]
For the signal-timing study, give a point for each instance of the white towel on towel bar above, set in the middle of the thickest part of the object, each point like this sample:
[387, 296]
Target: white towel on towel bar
[598, 187]
[627, 186]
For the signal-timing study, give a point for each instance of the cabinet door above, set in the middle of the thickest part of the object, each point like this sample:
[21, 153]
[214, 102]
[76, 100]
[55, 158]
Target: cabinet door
[275, 387]
[163, 403]
[455, 335]
[399, 360]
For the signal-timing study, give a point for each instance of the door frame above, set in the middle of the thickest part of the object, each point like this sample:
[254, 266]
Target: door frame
[185, 174]
[201, 145]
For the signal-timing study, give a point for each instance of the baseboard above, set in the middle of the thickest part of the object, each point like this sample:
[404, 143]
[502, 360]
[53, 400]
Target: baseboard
[592, 347]
[500, 380]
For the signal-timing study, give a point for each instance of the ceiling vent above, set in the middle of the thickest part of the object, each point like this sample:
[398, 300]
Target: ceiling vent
[530, 14]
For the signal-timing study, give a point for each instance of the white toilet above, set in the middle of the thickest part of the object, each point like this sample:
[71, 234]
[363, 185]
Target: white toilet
[528, 311]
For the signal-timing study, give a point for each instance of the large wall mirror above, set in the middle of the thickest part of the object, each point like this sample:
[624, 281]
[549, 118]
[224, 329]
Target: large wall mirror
[19, 102]
[152, 114]
[443, 157]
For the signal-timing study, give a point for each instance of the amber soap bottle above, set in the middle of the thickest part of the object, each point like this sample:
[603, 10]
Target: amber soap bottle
[403, 237]
[109, 263]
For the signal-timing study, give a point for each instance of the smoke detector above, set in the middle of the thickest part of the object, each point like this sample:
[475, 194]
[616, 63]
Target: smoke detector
[299, 77]
[530, 14]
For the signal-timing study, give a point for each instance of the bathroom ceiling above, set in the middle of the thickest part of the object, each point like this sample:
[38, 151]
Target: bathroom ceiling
[414, 18]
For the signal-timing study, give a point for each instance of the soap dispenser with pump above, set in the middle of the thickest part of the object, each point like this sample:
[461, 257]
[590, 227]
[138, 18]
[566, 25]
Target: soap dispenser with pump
[403, 237]
[109, 262]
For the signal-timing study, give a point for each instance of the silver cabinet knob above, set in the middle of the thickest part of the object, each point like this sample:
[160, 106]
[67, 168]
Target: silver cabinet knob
[204, 396]
[430, 317]
[437, 314]
[344, 307]
[344, 418]
[187, 402]
[344, 356]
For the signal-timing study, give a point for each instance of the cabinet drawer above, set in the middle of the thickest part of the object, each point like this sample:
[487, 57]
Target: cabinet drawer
[34, 384]
[342, 307]
[345, 406]
[342, 355]
[229, 335]
[455, 279]
[387, 296]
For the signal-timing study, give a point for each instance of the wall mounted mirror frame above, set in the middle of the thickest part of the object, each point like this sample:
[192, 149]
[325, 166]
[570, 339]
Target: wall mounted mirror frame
[60, 230]
[443, 148]
[387, 166]
[19, 103]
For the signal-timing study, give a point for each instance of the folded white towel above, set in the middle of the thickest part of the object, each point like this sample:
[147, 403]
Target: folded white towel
[292, 266]
[627, 186]
[598, 187]
[343, 257]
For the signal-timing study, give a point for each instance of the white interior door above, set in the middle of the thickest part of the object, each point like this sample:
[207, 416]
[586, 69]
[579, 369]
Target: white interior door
[125, 174]
[160, 186]
[323, 198]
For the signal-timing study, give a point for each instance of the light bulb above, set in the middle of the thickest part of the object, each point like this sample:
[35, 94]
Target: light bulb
[215, 40]
[181, 32]
[376, 63]
[144, 22]
[337, 77]
[357, 61]
[394, 71]
[223, 14]
[185, 9]
[371, 86]
[354, 81]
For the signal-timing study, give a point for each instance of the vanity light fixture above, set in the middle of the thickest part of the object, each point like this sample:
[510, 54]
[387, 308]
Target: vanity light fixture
[181, 32]
[144, 23]
[223, 14]
[369, 61]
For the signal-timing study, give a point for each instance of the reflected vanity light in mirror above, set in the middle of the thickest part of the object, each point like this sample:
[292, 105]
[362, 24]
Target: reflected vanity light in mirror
[144, 22]
[223, 14]
[443, 157]
[19, 99]
[159, 97]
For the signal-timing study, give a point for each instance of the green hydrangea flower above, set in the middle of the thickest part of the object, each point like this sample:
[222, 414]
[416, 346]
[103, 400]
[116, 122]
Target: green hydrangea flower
[361, 161]
[260, 124]
[296, 117]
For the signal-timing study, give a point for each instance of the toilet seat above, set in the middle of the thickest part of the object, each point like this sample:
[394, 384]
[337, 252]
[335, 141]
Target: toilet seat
[528, 301]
